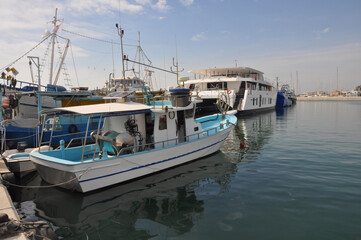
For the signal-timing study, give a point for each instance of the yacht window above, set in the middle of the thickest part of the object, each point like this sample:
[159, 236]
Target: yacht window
[212, 85]
[163, 122]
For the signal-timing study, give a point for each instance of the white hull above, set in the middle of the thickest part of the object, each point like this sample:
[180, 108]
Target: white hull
[265, 100]
[99, 174]
[19, 162]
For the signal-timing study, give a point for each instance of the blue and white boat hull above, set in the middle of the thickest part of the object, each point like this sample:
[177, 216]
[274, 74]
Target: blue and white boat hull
[99, 173]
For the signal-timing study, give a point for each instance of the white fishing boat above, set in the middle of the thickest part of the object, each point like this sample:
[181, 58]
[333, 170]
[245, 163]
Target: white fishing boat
[135, 140]
[245, 89]
[18, 160]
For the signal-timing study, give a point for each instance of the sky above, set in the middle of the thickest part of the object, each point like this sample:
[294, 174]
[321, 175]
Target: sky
[309, 44]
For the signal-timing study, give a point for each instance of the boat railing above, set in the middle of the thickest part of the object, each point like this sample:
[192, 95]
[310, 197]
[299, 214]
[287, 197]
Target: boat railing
[165, 143]
[19, 85]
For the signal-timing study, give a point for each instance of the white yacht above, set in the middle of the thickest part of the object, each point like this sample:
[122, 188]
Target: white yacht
[243, 89]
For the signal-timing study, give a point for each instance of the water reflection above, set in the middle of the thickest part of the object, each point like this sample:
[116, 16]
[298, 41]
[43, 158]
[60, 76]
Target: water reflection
[161, 205]
[255, 132]
[158, 206]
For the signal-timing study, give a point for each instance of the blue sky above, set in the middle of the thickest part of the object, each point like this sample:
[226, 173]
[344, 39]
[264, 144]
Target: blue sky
[313, 39]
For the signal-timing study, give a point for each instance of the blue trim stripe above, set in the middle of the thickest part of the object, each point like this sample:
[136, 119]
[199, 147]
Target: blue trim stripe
[155, 163]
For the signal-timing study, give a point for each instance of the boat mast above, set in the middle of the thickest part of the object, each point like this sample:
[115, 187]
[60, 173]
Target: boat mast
[52, 46]
[121, 33]
[62, 61]
[139, 53]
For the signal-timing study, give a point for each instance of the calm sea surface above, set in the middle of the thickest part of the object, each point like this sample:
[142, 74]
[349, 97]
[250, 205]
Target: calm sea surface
[298, 177]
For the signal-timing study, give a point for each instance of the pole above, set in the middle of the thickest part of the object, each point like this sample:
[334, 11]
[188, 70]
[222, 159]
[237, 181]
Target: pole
[52, 47]
[38, 66]
[139, 53]
[121, 33]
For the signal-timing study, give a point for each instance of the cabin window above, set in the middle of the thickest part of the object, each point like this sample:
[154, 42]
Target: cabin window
[163, 122]
[189, 113]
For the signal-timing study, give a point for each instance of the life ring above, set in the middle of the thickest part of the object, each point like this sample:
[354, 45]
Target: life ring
[171, 115]
[190, 92]
[73, 128]
[229, 91]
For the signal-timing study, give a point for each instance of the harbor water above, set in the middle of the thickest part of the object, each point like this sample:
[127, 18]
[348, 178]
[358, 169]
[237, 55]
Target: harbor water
[298, 176]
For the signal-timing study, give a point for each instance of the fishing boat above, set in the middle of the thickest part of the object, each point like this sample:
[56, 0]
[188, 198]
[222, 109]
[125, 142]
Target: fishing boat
[135, 140]
[245, 89]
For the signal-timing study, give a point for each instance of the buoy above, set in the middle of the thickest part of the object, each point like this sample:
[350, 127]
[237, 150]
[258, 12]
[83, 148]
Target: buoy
[241, 145]
[229, 91]
[5, 102]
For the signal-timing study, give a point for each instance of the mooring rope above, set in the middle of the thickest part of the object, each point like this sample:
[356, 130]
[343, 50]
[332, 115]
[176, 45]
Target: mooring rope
[48, 186]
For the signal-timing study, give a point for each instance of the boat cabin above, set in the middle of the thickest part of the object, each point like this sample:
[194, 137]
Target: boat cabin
[132, 127]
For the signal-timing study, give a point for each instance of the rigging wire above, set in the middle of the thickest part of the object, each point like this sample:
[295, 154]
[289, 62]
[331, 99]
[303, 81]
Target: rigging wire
[1, 69]
[96, 39]
[76, 74]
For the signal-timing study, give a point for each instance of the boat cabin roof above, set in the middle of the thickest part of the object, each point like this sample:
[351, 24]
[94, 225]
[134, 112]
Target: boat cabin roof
[101, 108]
[235, 71]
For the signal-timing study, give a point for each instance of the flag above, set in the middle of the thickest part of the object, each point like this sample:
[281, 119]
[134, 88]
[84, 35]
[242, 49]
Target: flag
[46, 34]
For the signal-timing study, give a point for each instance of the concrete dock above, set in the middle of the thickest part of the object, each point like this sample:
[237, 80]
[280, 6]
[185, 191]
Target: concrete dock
[6, 204]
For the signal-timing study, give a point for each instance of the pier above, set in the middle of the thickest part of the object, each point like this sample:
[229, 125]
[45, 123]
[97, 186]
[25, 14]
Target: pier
[7, 205]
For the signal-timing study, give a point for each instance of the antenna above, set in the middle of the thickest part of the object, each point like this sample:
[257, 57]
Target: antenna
[176, 65]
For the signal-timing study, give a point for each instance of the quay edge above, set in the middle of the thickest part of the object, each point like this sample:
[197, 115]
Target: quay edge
[7, 205]
[328, 98]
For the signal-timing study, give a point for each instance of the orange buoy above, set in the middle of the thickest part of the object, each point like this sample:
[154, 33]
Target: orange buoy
[5, 102]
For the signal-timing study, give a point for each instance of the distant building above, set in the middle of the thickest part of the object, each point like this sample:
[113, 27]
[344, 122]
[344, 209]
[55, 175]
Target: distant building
[316, 94]
[358, 90]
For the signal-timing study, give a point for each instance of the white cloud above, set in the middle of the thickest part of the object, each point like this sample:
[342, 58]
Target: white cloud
[143, 2]
[187, 2]
[103, 6]
[326, 30]
[161, 5]
[198, 37]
